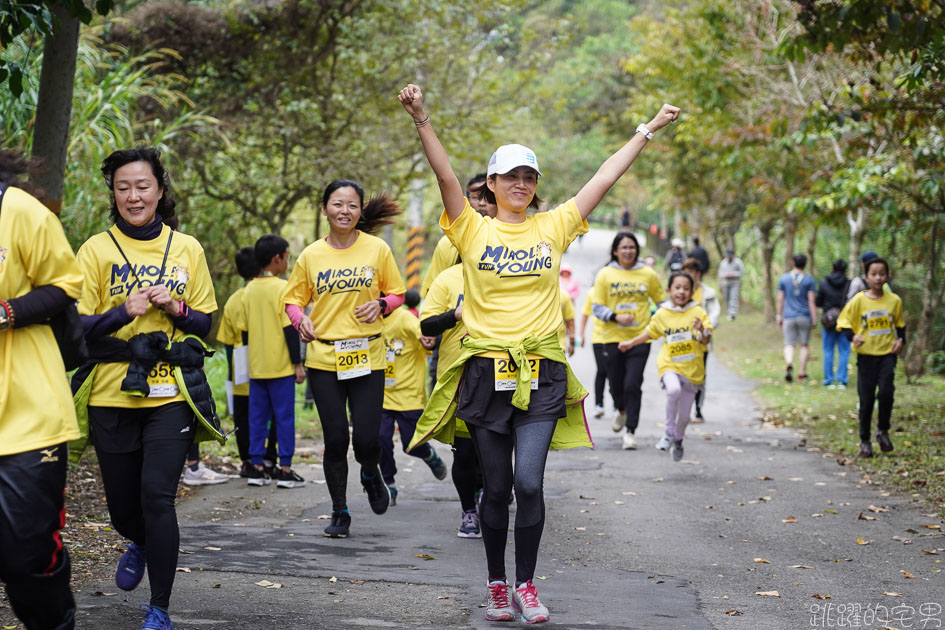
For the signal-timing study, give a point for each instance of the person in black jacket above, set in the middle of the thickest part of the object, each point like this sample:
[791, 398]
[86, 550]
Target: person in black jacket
[831, 296]
[699, 253]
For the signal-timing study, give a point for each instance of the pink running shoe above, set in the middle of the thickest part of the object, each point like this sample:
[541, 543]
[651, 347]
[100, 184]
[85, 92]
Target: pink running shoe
[499, 608]
[525, 600]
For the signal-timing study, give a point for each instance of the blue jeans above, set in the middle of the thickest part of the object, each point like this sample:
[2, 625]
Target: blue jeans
[272, 398]
[830, 338]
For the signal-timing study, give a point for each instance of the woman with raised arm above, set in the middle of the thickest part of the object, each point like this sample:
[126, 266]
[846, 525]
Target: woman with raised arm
[512, 384]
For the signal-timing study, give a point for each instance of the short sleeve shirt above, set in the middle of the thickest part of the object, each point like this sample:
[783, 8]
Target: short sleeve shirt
[796, 287]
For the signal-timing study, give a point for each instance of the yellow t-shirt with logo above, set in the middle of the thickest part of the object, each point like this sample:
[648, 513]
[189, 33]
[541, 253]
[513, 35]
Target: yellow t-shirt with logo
[406, 362]
[109, 282]
[36, 407]
[626, 291]
[876, 320]
[445, 294]
[232, 326]
[265, 320]
[596, 324]
[567, 312]
[511, 270]
[681, 352]
[444, 257]
[336, 281]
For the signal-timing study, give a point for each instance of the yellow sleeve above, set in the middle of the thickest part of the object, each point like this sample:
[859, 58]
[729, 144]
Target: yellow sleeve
[49, 259]
[599, 292]
[461, 230]
[567, 307]
[391, 282]
[226, 332]
[90, 300]
[899, 320]
[440, 262]
[655, 328]
[587, 305]
[437, 300]
[201, 296]
[297, 290]
[568, 222]
[848, 317]
[656, 289]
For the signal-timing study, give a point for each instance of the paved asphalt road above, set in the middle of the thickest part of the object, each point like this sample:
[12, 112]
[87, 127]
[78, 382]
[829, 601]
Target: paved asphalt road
[632, 540]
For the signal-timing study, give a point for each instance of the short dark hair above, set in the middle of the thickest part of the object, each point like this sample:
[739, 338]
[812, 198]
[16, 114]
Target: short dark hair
[165, 205]
[695, 241]
[616, 243]
[800, 261]
[268, 247]
[411, 298]
[875, 261]
[478, 178]
[676, 274]
[246, 264]
[840, 265]
[692, 263]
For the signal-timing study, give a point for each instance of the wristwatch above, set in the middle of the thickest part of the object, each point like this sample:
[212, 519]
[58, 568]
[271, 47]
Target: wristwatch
[641, 128]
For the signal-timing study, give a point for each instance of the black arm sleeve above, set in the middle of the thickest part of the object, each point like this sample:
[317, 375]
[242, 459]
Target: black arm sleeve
[229, 360]
[900, 333]
[38, 305]
[438, 324]
[848, 333]
[293, 342]
[98, 326]
[244, 335]
[194, 323]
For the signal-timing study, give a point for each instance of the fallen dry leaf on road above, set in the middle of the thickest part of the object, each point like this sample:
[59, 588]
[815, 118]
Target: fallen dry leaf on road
[356, 581]
[213, 548]
[819, 596]
[906, 574]
[800, 566]
[425, 556]
[790, 519]
[864, 517]
[935, 527]
[873, 508]
[931, 552]
[765, 478]
[183, 569]
[333, 579]
[101, 594]
[768, 593]
[268, 584]
[863, 541]
[905, 541]
[760, 561]
[831, 512]
[733, 612]
[892, 594]
[657, 480]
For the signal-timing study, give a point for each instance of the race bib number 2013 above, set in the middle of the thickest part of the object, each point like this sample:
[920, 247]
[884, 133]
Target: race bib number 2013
[352, 358]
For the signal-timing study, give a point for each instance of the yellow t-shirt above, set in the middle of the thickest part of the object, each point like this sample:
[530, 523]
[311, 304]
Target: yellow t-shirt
[265, 319]
[567, 312]
[626, 291]
[232, 325]
[406, 363]
[511, 270]
[445, 294]
[875, 319]
[109, 282]
[336, 281]
[36, 408]
[697, 294]
[681, 352]
[444, 257]
[596, 324]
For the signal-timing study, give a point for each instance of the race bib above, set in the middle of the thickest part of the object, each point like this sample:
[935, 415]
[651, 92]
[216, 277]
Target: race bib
[878, 322]
[506, 374]
[390, 374]
[161, 381]
[680, 347]
[626, 307]
[352, 358]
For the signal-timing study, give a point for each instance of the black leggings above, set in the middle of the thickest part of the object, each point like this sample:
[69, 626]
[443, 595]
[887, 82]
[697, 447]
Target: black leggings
[600, 379]
[530, 443]
[365, 397]
[141, 455]
[875, 372]
[625, 373]
[467, 478]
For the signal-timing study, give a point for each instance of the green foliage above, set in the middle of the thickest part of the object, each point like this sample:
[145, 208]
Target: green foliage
[936, 362]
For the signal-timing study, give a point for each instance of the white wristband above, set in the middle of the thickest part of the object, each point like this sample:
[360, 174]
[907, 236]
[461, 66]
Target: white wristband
[641, 128]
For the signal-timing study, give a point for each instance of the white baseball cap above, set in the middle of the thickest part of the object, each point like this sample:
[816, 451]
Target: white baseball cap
[678, 242]
[510, 156]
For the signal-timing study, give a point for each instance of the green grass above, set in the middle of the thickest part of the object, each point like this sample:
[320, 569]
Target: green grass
[828, 418]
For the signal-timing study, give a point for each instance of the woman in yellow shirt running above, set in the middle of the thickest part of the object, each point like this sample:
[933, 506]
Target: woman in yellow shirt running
[515, 383]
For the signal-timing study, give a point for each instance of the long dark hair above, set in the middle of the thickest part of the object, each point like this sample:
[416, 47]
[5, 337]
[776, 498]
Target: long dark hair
[379, 211]
[165, 205]
[613, 246]
[13, 166]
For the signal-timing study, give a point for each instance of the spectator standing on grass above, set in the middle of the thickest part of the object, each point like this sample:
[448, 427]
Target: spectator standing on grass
[730, 274]
[831, 296]
[698, 252]
[859, 283]
[675, 256]
[796, 316]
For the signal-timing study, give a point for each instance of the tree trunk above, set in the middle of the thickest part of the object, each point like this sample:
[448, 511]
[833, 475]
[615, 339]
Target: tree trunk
[932, 293]
[811, 250]
[790, 231]
[857, 225]
[767, 283]
[54, 106]
[677, 224]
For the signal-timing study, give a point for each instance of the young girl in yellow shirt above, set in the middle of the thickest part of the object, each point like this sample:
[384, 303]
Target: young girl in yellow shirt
[686, 331]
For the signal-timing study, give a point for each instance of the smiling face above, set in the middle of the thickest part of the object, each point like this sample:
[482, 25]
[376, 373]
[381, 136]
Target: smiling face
[626, 253]
[516, 189]
[136, 192]
[680, 291]
[343, 209]
[877, 276]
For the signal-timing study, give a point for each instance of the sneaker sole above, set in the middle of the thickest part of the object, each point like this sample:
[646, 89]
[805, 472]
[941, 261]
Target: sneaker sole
[290, 484]
[205, 482]
[258, 482]
[502, 617]
[471, 535]
[538, 619]
[334, 535]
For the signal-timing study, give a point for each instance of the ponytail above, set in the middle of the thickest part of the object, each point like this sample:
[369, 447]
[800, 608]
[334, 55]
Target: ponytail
[379, 211]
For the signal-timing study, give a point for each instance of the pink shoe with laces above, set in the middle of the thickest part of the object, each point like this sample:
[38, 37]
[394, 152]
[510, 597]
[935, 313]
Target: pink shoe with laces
[498, 607]
[525, 600]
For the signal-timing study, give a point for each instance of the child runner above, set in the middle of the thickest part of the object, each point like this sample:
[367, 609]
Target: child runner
[686, 330]
[345, 275]
[405, 393]
[621, 302]
[566, 332]
[704, 296]
[874, 323]
[512, 312]
[232, 334]
[145, 284]
[442, 314]
[275, 365]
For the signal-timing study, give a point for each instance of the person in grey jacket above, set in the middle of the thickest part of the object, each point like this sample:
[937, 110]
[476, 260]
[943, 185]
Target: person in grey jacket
[731, 270]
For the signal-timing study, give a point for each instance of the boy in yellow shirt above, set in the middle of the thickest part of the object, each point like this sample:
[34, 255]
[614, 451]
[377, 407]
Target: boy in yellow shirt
[275, 364]
[872, 320]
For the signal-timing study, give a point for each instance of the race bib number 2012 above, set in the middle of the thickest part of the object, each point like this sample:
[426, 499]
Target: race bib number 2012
[506, 374]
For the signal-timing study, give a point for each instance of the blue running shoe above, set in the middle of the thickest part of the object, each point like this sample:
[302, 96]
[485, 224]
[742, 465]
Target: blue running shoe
[437, 467]
[156, 619]
[131, 567]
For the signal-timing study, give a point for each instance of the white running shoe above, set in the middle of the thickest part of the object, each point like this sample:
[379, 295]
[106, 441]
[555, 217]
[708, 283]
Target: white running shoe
[620, 421]
[203, 476]
[598, 412]
[664, 442]
[629, 442]
[498, 607]
[525, 600]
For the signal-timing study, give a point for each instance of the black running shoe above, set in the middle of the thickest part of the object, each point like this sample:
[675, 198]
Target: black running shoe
[377, 493]
[258, 477]
[340, 523]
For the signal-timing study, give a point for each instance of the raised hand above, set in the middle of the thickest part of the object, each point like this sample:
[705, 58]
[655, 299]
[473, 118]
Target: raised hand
[412, 99]
[667, 114]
